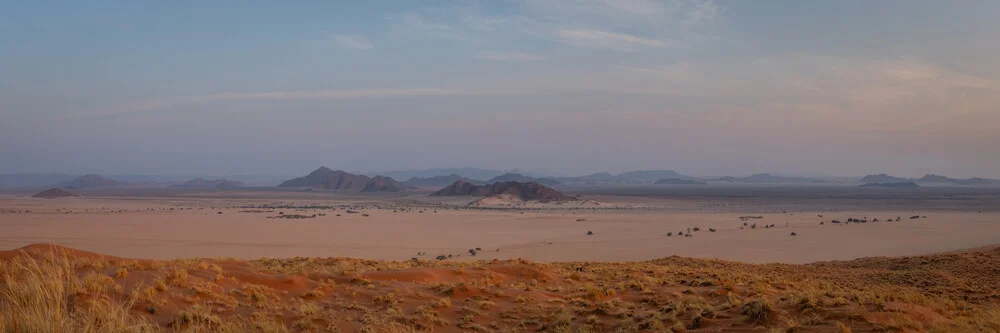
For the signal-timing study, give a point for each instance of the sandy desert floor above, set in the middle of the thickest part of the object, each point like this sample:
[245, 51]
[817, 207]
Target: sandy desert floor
[403, 227]
[634, 273]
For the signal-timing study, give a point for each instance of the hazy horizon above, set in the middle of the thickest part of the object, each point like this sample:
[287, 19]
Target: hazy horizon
[175, 177]
[561, 87]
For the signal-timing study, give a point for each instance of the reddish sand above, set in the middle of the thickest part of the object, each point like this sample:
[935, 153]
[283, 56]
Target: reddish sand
[948, 292]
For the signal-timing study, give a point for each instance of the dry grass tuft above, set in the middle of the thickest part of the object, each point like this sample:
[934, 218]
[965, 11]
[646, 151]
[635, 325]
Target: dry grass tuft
[42, 292]
[757, 311]
[38, 296]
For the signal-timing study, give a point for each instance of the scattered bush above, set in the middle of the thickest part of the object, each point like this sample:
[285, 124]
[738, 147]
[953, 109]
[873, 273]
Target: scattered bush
[757, 311]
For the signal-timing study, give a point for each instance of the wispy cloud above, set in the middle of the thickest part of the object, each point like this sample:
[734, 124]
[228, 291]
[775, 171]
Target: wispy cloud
[701, 12]
[352, 42]
[623, 25]
[422, 25]
[858, 93]
[508, 56]
[171, 102]
[599, 39]
[644, 11]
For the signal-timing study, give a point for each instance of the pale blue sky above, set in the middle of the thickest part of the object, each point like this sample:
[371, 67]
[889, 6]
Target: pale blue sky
[563, 86]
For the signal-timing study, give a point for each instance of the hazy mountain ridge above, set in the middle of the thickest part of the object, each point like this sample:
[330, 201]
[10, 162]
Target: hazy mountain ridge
[515, 177]
[628, 177]
[929, 179]
[892, 185]
[631, 177]
[466, 172]
[675, 181]
[769, 178]
[328, 179]
[883, 178]
[440, 181]
[933, 178]
[217, 183]
[650, 175]
[91, 181]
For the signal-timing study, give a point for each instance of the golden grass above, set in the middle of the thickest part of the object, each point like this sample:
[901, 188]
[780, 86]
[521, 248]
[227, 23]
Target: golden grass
[55, 292]
[43, 295]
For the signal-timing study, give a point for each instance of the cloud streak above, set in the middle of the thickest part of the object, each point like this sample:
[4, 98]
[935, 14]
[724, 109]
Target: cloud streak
[598, 39]
[352, 42]
[508, 56]
[172, 102]
[622, 25]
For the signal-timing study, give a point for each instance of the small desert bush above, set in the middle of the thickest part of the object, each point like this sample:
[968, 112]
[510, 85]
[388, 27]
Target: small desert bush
[258, 295]
[197, 318]
[97, 283]
[442, 303]
[384, 323]
[843, 328]
[757, 311]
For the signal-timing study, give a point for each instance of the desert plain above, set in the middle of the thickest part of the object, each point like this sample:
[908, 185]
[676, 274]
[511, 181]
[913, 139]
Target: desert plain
[620, 259]
[625, 224]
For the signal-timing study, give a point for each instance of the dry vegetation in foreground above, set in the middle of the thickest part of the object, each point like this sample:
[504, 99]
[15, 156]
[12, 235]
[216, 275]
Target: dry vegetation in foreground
[52, 289]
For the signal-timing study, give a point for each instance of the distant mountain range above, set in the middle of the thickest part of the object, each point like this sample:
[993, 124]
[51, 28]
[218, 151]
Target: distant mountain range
[650, 175]
[932, 178]
[58, 179]
[90, 181]
[444, 176]
[929, 179]
[594, 177]
[469, 173]
[675, 181]
[769, 178]
[440, 181]
[892, 185]
[883, 178]
[978, 181]
[327, 179]
[515, 177]
[630, 177]
[219, 183]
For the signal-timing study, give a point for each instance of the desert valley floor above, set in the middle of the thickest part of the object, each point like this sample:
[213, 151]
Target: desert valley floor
[168, 224]
[140, 260]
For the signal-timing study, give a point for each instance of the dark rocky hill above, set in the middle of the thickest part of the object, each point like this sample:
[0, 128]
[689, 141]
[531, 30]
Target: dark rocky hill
[53, 193]
[883, 178]
[523, 191]
[327, 179]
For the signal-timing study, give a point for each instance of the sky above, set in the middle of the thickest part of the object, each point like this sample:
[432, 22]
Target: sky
[563, 87]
